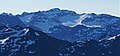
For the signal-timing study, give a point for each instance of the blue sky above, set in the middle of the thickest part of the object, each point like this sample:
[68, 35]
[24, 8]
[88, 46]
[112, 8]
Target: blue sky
[80, 6]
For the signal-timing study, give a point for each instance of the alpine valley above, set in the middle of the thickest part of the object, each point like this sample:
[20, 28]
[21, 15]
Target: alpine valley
[59, 32]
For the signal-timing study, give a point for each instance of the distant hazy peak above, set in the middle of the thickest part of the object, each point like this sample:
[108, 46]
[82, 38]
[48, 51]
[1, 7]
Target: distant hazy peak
[55, 9]
[6, 14]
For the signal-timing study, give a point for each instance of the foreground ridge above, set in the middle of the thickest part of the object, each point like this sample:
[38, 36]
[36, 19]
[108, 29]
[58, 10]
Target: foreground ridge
[37, 43]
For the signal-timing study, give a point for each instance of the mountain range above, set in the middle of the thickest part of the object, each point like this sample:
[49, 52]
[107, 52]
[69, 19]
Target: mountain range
[59, 32]
[70, 26]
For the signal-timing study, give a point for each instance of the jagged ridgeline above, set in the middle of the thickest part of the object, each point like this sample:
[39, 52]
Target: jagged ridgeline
[59, 33]
[70, 26]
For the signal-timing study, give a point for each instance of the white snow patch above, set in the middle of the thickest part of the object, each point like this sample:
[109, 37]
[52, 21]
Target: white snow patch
[4, 40]
[7, 29]
[26, 30]
[92, 25]
[82, 17]
[114, 37]
[36, 34]
[78, 21]
[69, 24]
[27, 18]
[118, 35]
